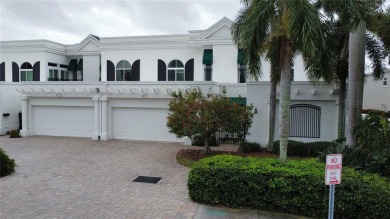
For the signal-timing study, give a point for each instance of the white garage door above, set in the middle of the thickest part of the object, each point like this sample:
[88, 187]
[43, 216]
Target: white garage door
[63, 121]
[141, 124]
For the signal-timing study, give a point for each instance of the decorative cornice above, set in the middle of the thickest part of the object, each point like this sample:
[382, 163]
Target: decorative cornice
[88, 39]
[215, 27]
[26, 46]
[114, 90]
[194, 39]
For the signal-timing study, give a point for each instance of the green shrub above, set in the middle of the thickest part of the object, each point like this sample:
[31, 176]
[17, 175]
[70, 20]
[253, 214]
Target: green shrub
[373, 132]
[379, 162]
[7, 165]
[295, 187]
[303, 149]
[199, 140]
[353, 157]
[249, 147]
[14, 134]
[376, 112]
[340, 140]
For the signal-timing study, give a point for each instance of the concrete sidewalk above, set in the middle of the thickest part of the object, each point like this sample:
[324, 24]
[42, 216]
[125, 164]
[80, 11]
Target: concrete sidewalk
[219, 212]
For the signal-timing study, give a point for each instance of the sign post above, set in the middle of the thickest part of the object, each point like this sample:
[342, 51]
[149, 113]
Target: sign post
[332, 177]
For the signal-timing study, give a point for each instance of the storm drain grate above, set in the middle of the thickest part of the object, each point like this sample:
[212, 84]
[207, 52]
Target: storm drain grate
[147, 179]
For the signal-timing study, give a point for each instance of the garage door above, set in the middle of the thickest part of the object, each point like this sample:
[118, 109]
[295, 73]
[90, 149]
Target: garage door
[63, 121]
[141, 124]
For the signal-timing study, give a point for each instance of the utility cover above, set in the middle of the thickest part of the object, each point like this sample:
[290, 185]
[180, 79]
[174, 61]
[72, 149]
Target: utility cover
[147, 179]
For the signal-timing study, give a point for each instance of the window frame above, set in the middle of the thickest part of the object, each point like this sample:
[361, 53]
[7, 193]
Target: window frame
[123, 70]
[55, 76]
[241, 68]
[176, 70]
[26, 72]
[208, 69]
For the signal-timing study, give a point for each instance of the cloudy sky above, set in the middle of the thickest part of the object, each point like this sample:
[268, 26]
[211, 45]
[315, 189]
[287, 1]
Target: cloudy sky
[70, 21]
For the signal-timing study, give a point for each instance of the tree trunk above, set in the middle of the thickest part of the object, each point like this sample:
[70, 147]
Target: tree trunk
[271, 119]
[356, 80]
[284, 100]
[206, 149]
[341, 119]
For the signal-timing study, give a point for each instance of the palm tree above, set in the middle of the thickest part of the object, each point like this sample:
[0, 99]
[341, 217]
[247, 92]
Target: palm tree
[353, 14]
[338, 42]
[297, 27]
[273, 57]
[357, 44]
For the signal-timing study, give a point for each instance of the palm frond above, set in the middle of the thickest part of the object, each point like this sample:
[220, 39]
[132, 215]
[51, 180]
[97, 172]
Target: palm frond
[380, 25]
[250, 33]
[273, 57]
[309, 37]
[349, 11]
[376, 54]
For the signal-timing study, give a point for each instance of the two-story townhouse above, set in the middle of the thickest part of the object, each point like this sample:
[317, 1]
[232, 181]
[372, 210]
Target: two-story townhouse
[119, 87]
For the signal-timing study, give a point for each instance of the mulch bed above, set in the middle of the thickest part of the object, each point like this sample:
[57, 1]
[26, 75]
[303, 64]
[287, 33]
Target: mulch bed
[197, 154]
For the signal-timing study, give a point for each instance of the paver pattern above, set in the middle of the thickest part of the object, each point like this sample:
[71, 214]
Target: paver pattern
[59, 177]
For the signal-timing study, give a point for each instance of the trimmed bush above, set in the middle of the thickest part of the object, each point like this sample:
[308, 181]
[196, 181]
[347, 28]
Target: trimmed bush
[14, 134]
[249, 147]
[295, 187]
[303, 149]
[7, 165]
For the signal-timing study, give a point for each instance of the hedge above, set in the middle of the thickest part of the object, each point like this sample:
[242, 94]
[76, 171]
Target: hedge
[7, 165]
[295, 187]
[303, 149]
[249, 147]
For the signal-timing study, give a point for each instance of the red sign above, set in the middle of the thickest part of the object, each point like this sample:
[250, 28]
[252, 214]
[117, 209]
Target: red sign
[333, 169]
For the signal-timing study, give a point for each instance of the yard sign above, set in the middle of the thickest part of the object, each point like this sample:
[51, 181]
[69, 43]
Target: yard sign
[333, 169]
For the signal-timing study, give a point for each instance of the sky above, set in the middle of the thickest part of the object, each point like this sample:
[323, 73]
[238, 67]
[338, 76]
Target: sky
[70, 21]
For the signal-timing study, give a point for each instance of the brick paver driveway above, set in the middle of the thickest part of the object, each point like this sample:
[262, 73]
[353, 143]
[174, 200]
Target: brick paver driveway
[60, 177]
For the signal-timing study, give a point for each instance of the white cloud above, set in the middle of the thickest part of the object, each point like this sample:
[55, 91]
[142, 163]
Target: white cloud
[69, 21]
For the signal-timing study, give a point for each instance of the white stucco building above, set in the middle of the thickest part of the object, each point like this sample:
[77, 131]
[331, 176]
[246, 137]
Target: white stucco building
[377, 92]
[119, 87]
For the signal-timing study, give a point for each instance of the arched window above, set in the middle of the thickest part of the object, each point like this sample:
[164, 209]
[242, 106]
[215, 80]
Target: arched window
[26, 72]
[123, 71]
[175, 71]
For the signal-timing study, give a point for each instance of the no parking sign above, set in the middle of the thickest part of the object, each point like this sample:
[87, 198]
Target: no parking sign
[334, 165]
[333, 169]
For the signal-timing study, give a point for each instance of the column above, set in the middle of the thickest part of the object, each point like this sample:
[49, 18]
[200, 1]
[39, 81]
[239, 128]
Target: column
[25, 130]
[96, 131]
[104, 136]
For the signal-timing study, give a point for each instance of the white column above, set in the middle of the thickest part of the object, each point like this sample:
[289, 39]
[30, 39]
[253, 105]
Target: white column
[96, 132]
[104, 136]
[25, 130]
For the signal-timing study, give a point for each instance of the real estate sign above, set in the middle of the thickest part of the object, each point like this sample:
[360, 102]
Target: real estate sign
[333, 169]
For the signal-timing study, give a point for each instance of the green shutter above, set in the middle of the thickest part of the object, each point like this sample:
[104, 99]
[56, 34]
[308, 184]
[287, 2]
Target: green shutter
[207, 57]
[72, 65]
[240, 57]
[239, 100]
[80, 65]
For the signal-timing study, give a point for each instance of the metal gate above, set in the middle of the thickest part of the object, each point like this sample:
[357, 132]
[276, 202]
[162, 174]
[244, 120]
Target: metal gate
[305, 121]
